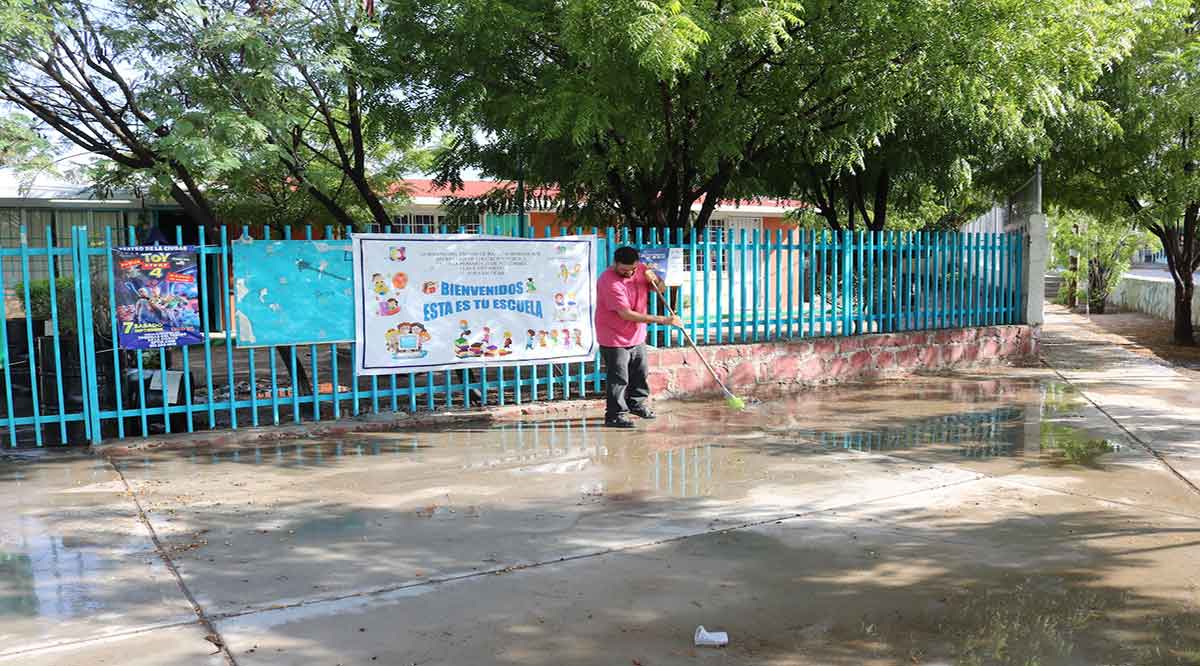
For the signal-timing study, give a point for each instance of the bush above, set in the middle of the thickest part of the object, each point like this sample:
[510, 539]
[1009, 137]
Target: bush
[39, 308]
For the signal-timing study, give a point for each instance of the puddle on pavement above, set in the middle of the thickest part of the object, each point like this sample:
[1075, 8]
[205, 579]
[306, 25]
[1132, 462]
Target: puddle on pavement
[68, 542]
[694, 450]
[927, 419]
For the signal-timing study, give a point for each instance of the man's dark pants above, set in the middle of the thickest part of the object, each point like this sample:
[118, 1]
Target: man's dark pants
[625, 387]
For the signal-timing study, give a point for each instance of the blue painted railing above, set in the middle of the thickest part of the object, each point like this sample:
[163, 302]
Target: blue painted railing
[738, 288]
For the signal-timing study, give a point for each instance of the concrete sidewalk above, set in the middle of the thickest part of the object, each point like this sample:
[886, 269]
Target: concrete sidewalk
[1153, 402]
[990, 517]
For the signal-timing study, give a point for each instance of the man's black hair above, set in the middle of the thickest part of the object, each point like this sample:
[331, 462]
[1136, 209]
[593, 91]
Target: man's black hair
[625, 255]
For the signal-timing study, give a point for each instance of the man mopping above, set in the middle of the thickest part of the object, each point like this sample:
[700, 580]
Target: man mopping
[622, 306]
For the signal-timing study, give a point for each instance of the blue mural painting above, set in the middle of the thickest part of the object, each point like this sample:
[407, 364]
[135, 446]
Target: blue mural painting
[291, 292]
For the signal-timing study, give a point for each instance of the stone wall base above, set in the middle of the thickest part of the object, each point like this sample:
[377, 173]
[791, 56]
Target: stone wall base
[773, 367]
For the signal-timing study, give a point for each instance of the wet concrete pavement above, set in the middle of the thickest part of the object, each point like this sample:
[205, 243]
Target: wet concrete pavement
[991, 518]
[1155, 403]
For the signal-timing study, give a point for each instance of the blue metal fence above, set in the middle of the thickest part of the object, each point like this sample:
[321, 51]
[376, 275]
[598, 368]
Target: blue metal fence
[61, 387]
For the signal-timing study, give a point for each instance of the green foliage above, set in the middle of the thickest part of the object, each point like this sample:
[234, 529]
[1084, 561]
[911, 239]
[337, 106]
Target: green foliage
[1104, 247]
[41, 302]
[1132, 145]
[976, 105]
[271, 112]
[23, 150]
[639, 109]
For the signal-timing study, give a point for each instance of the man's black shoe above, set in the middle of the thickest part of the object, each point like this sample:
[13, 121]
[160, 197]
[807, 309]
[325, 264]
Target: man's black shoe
[643, 413]
[618, 422]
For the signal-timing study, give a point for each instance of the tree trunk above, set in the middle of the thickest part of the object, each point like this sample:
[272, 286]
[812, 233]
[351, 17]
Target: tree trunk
[1184, 335]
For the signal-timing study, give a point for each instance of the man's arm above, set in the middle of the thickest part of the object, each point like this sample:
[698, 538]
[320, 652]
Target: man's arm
[633, 315]
[652, 279]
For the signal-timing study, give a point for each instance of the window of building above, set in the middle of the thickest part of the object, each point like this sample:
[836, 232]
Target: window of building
[429, 223]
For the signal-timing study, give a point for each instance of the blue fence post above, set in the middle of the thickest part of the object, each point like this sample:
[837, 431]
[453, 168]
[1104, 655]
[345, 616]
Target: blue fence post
[791, 279]
[811, 281]
[88, 354]
[847, 279]
[227, 323]
[778, 284]
[691, 283]
[755, 259]
[57, 338]
[33, 383]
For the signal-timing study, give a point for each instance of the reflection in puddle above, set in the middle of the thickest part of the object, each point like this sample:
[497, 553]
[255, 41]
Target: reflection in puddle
[676, 454]
[43, 574]
[1074, 446]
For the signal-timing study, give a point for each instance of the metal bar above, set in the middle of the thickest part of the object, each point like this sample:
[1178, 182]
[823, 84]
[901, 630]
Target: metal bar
[847, 280]
[274, 354]
[791, 280]
[755, 260]
[727, 270]
[778, 283]
[187, 367]
[87, 342]
[58, 369]
[812, 281]
[860, 274]
[28, 305]
[227, 321]
[131, 238]
[741, 309]
[708, 265]
[939, 279]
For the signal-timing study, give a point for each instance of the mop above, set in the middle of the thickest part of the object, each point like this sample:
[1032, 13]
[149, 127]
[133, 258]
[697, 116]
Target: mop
[732, 400]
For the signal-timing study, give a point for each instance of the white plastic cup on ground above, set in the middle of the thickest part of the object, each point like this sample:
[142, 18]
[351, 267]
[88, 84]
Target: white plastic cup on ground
[706, 638]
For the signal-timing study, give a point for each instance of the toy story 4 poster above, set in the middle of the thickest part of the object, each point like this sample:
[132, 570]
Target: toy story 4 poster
[157, 296]
[426, 302]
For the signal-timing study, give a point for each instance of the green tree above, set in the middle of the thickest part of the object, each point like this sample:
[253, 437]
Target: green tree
[979, 102]
[23, 150]
[639, 110]
[236, 109]
[305, 75]
[1133, 145]
[1104, 249]
[78, 74]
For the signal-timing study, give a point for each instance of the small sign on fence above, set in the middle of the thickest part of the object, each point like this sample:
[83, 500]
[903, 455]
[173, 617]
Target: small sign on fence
[667, 263]
[173, 378]
[157, 296]
[292, 292]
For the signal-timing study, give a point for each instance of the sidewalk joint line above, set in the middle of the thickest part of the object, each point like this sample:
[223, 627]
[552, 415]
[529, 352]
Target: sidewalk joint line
[205, 621]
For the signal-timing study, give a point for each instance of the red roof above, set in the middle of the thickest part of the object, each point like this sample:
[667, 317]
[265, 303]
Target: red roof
[424, 187]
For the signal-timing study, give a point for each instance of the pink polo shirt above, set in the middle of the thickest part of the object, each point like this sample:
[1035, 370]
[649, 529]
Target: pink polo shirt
[613, 294]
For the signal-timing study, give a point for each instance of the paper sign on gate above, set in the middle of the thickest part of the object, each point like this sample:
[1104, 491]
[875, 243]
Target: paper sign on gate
[430, 302]
[667, 263]
[173, 378]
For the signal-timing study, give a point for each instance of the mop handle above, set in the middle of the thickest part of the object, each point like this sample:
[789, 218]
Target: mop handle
[692, 342]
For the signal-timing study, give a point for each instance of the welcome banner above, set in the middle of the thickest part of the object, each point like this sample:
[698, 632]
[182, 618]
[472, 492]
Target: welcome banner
[431, 302]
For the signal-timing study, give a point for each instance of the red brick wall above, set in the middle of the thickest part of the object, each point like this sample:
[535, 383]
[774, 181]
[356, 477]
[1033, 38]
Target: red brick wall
[780, 365]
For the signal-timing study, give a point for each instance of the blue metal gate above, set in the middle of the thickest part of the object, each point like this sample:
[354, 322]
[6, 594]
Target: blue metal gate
[66, 381]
